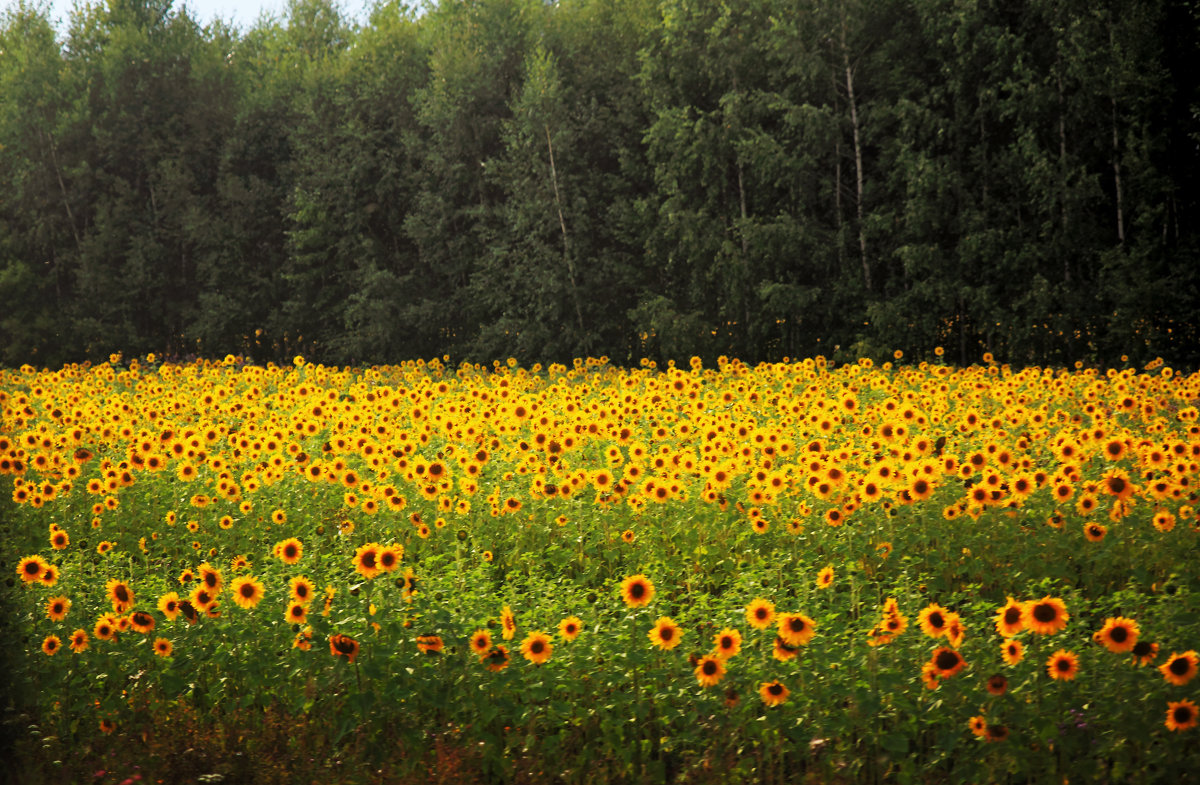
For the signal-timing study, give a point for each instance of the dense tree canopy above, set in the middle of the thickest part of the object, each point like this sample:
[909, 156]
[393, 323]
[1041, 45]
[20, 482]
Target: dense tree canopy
[662, 178]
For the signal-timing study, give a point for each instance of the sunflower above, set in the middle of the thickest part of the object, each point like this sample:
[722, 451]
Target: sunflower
[210, 578]
[189, 611]
[163, 647]
[760, 613]
[141, 622]
[51, 644]
[709, 670]
[933, 619]
[796, 629]
[79, 641]
[996, 733]
[1095, 532]
[57, 607]
[497, 659]
[637, 591]
[665, 634]
[31, 568]
[782, 651]
[1013, 651]
[247, 591]
[390, 556]
[1010, 619]
[296, 613]
[120, 594]
[997, 684]
[106, 628]
[290, 550]
[929, 676]
[1144, 653]
[481, 642]
[1062, 665]
[772, 693]
[1046, 616]
[430, 644]
[301, 589]
[947, 662]
[1118, 635]
[537, 647]
[825, 578]
[1181, 715]
[570, 627]
[366, 560]
[343, 646]
[202, 599]
[107, 725]
[1180, 668]
[59, 539]
[728, 643]
[508, 623]
[978, 726]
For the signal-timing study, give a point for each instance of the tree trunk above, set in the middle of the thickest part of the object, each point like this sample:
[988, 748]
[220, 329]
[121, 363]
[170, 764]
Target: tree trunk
[562, 222]
[858, 164]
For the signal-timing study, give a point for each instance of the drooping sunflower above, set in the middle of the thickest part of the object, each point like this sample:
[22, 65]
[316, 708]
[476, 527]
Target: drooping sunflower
[1062, 665]
[343, 646]
[996, 733]
[1119, 635]
[481, 642]
[508, 624]
[997, 684]
[497, 659]
[247, 591]
[933, 620]
[570, 627]
[537, 647]
[57, 607]
[665, 634]
[760, 613]
[637, 591]
[1179, 669]
[1046, 616]
[120, 594]
[825, 578]
[163, 647]
[1144, 653]
[430, 644]
[947, 662]
[142, 622]
[772, 693]
[290, 550]
[79, 641]
[796, 629]
[1182, 715]
[709, 670]
[929, 676]
[1010, 619]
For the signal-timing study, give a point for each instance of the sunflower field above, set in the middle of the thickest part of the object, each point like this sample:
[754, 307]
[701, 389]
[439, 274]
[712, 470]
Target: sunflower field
[219, 571]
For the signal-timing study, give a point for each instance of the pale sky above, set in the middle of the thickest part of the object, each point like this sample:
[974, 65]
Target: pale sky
[241, 12]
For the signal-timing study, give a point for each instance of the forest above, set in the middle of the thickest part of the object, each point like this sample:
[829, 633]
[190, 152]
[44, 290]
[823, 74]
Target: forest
[621, 178]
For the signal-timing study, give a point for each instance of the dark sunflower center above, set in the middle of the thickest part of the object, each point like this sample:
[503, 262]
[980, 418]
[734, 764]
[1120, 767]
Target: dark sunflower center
[121, 593]
[1179, 666]
[666, 633]
[1116, 485]
[1141, 649]
[946, 660]
[290, 551]
[1012, 616]
[760, 613]
[1063, 664]
[775, 689]
[726, 642]
[709, 668]
[537, 647]
[297, 610]
[1045, 612]
[1182, 715]
[936, 620]
[637, 590]
[32, 568]
[1118, 634]
[368, 559]
[247, 590]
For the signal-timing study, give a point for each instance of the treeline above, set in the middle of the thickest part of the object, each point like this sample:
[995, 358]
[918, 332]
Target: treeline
[485, 178]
